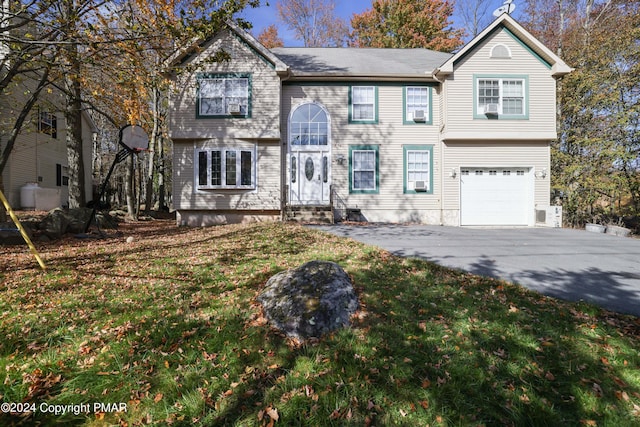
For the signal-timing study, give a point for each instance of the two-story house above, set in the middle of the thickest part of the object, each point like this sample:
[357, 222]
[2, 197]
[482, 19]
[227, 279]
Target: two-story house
[35, 176]
[401, 135]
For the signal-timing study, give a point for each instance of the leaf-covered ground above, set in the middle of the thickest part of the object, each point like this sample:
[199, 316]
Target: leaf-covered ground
[164, 330]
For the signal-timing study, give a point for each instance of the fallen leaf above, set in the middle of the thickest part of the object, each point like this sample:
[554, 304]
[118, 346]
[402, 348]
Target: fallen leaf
[622, 395]
[158, 397]
[272, 413]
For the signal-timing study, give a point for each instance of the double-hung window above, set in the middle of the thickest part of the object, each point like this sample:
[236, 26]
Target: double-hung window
[363, 169]
[225, 168]
[224, 95]
[505, 97]
[418, 175]
[417, 103]
[363, 106]
[48, 123]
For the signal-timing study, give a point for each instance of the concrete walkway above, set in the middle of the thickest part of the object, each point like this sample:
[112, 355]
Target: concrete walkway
[564, 263]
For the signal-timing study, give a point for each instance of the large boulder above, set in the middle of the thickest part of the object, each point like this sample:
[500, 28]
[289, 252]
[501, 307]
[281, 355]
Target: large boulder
[55, 224]
[309, 301]
[59, 222]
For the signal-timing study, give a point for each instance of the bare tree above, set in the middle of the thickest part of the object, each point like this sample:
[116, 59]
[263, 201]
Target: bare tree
[475, 14]
[314, 22]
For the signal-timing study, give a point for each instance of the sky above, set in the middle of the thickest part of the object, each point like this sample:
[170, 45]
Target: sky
[264, 16]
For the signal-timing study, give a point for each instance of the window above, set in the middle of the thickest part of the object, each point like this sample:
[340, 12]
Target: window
[417, 104]
[363, 169]
[47, 123]
[224, 95]
[225, 168]
[505, 97]
[417, 169]
[364, 105]
[309, 125]
[62, 175]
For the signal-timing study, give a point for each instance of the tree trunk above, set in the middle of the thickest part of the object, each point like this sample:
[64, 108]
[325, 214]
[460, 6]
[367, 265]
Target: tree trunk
[130, 187]
[153, 143]
[73, 115]
[162, 203]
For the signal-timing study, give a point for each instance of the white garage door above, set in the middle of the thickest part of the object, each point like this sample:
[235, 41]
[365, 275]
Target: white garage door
[494, 196]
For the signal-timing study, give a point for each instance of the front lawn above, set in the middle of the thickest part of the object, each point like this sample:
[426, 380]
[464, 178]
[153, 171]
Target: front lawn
[164, 330]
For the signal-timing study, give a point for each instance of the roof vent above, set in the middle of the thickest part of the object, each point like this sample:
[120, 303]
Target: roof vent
[500, 51]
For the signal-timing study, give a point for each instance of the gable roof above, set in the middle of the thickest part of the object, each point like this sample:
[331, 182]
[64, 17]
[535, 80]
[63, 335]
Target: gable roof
[244, 36]
[505, 21]
[318, 63]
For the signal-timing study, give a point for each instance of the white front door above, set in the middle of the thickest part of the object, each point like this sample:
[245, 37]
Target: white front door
[309, 177]
[309, 155]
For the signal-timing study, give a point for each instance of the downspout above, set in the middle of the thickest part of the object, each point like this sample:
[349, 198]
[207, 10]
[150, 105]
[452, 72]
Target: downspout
[441, 144]
[283, 154]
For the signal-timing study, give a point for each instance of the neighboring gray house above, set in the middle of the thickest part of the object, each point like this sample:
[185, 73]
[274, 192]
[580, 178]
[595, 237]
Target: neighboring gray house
[400, 135]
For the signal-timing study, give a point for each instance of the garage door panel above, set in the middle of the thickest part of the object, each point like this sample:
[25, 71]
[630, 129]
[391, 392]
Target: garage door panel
[494, 196]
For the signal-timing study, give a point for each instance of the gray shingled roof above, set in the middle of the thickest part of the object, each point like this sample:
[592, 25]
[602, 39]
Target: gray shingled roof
[361, 62]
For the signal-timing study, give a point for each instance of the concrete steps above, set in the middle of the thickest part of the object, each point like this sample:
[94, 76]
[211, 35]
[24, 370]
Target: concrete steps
[310, 214]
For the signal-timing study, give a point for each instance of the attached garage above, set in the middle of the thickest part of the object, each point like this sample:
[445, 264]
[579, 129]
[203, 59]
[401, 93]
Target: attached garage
[496, 196]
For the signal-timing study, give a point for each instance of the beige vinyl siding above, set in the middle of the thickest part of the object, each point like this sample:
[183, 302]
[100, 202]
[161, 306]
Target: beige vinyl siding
[389, 134]
[459, 91]
[35, 155]
[266, 196]
[525, 154]
[265, 94]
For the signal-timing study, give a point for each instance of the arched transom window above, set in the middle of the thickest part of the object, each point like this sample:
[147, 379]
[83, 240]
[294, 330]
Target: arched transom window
[309, 125]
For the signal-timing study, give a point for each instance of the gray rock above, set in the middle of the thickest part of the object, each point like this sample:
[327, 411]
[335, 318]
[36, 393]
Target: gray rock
[55, 224]
[59, 222]
[309, 301]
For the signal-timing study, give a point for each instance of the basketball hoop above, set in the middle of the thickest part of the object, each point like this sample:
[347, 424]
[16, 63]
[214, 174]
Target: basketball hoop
[134, 140]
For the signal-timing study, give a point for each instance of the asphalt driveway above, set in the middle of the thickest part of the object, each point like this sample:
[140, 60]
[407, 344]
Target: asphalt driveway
[564, 263]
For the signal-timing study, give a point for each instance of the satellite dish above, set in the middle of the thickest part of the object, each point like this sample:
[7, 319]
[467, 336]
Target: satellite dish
[134, 138]
[507, 7]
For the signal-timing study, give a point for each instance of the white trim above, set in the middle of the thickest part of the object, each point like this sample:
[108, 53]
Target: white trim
[223, 171]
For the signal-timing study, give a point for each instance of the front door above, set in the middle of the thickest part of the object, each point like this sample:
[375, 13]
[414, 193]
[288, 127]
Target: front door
[309, 181]
[309, 155]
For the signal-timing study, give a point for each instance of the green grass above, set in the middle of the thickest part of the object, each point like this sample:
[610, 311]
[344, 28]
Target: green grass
[169, 326]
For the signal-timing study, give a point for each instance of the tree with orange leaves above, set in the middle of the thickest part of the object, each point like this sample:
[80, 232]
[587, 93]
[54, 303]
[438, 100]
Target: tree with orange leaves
[269, 37]
[406, 24]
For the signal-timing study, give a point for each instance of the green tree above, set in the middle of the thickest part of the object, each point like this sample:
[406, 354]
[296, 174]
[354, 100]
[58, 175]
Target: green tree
[406, 24]
[595, 159]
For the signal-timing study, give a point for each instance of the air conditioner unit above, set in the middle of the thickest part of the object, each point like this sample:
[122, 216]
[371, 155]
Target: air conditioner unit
[234, 108]
[420, 186]
[549, 216]
[491, 109]
[418, 116]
